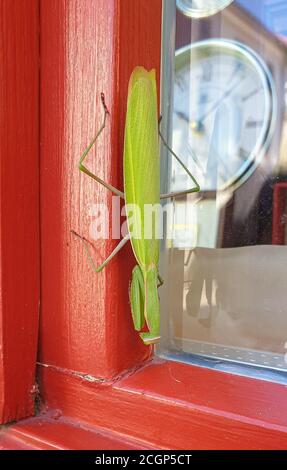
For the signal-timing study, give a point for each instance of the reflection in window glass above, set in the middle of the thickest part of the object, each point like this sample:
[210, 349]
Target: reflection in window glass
[226, 259]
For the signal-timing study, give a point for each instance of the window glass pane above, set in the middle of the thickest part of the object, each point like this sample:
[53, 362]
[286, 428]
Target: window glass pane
[224, 259]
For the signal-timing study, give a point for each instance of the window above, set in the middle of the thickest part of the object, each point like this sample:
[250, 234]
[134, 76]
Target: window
[224, 258]
[91, 366]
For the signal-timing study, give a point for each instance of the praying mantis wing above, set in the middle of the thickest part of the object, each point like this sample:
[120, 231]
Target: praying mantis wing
[141, 164]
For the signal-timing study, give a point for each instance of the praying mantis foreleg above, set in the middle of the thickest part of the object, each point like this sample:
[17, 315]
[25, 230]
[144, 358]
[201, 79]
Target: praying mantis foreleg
[195, 189]
[137, 298]
[143, 295]
[151, 310]
[143, 292]
[81, 165]
[109, 258]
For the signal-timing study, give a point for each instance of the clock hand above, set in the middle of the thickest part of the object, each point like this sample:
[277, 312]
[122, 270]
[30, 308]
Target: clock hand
[252, 93]
[215, 163]
[183, 116]
[194, 157]
[217, 103]
[198, 125]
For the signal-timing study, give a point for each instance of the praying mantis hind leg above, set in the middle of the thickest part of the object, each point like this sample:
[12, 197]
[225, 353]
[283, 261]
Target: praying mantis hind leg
[137, 298]
[195, 189]
[81, 165]
[108, 259]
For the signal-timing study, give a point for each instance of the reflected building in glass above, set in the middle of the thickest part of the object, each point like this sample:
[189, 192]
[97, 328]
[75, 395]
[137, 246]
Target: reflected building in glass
[225, 265]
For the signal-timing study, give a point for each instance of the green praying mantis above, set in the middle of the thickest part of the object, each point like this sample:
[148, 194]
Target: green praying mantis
[141, 187]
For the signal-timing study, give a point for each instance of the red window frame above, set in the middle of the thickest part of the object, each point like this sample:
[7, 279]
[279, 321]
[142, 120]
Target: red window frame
[19, 210]
[91, 364]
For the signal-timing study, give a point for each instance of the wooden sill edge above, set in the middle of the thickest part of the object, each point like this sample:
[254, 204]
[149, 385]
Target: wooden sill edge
[170, 405]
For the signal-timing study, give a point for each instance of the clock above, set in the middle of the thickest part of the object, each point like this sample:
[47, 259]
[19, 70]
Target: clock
[224, 113]
[201, 8]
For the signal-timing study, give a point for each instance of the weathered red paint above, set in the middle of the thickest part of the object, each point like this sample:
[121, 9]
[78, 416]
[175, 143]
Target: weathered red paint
[86, 48]
[177, 406]
[19, 205]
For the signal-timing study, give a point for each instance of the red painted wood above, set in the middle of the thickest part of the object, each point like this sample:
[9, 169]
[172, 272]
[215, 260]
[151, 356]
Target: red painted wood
[89, 47]
[279, 209]
[53, 432]
[176, 406]
[86, 48]
[8, 442]
[58, 433]
[19, 212]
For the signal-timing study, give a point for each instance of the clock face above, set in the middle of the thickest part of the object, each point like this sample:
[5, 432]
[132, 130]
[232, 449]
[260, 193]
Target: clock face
[201, 8]
[223, 115]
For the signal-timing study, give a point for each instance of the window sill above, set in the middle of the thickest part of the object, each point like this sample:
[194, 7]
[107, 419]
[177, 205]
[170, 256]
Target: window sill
[54, 432]
[173, 405]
